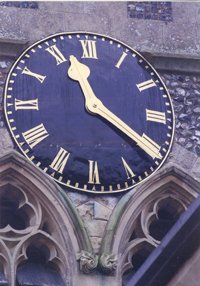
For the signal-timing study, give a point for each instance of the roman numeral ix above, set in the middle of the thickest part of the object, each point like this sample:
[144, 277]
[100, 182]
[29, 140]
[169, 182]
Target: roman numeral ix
[26, 104]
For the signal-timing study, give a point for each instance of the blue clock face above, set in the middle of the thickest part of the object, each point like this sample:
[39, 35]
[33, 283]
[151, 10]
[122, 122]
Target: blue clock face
[89, 111]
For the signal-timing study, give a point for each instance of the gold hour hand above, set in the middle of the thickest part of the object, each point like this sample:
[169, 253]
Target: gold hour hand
[80, 72]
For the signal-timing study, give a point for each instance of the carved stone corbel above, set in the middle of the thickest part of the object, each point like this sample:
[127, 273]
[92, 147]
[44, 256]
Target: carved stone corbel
[88, 261]
[107, 263]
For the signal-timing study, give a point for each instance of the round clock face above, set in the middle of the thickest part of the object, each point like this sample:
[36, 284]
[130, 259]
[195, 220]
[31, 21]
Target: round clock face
[89, 111]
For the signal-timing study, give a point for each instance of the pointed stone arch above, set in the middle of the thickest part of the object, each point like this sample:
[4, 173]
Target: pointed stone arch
[46, 213]
[133, 224]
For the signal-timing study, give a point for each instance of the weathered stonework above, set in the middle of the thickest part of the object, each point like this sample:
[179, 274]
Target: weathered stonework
[95, 214]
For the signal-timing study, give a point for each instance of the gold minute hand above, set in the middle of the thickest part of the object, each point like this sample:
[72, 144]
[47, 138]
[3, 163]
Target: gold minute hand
[80, 73]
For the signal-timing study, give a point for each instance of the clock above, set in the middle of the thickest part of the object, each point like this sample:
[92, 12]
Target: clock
[89, 111]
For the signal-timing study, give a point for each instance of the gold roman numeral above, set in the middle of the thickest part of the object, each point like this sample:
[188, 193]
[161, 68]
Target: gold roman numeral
[89, 49]
[156, 116]
[121, 60]
[93, 172]
[128, 170]
[35, 135]
[39, 77]
[60, 160]
[56, 53]
[145, 85]
[26, 104]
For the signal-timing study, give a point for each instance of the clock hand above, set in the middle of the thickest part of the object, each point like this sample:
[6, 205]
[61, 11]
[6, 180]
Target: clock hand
[80, 73]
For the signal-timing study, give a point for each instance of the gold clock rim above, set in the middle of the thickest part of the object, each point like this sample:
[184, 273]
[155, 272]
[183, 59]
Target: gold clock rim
[71, 188]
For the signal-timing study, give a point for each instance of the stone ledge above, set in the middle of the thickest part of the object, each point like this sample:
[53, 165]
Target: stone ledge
[11, 48]
[173, 62]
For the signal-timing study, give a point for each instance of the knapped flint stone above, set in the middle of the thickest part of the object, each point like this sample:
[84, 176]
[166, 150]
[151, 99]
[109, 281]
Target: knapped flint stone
[186, 133]
[185, 126]
[197, 92]
[187, 78]
[197, 133]
[183, 115]
[178, 108]
[180, 91]
[197, 150]
[197, 110]
[182, 140]
[178, 99]
[187, 102]
[194, 138]
[188, 94]
[186, 85]
[189, 111]
[189, 145]
[174, 84]
[185, 93]
[3, 64]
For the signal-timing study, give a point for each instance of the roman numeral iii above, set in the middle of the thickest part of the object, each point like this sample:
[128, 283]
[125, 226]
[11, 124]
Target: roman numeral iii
[145, 85]
[89, 49]
[39, 77]
[156, 116]
[35, 135]
[93, 172]
[26, 104]
[56, 53]
[60, 160]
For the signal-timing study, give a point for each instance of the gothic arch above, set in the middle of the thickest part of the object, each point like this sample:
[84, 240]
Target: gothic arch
[37, 214]
[134, 228]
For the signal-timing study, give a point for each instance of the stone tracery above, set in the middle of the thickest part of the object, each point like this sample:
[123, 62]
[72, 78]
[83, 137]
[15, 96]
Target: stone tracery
[35, 228]
[145, 215]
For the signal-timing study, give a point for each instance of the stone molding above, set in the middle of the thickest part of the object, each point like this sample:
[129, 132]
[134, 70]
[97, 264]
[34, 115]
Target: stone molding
[12, 48]
[179, 63]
